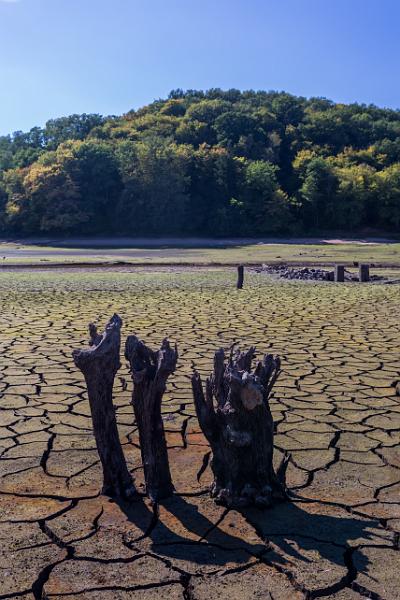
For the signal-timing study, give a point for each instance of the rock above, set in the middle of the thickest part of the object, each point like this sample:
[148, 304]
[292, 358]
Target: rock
[310, 274]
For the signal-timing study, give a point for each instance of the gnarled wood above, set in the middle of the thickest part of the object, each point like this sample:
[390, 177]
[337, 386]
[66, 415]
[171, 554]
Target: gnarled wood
[235, 417]
[99, 365]
[150, 371]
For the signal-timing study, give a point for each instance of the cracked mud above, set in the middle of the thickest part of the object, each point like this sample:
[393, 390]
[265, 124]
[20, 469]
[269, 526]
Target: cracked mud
[336, 408]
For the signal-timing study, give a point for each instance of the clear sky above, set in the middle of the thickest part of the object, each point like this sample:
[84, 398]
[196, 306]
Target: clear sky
[59, 57]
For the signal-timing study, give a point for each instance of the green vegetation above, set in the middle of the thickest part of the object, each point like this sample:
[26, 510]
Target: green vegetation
[206, 163]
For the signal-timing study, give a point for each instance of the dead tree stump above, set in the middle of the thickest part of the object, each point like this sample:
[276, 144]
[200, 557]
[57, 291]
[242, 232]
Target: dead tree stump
[150, 371]
[239, 429]
[339, 273]
[99, 364]
[363, 273]
[240, 278]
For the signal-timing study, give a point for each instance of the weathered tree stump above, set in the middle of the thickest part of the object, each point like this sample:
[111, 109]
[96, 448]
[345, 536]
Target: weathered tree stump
[99, 365]
[339, 273]
[240, 429]
[240, 278]
[150, 371]
[363, 273]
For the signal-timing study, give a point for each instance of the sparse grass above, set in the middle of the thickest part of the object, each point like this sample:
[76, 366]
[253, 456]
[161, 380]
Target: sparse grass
[173, 253]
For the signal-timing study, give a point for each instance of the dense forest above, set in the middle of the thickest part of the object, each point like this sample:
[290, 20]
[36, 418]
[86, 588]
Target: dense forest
[212, 163]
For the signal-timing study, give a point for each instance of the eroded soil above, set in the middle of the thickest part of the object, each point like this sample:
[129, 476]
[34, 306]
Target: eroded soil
[336, 410]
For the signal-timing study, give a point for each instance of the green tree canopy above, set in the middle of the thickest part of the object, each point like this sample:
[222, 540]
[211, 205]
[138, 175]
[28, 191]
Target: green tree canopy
[216, 162]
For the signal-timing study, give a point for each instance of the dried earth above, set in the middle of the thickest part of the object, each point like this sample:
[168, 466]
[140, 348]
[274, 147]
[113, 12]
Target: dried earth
[336, 409]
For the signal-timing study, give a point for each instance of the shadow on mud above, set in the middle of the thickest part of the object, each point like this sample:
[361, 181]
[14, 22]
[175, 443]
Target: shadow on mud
[282, 535]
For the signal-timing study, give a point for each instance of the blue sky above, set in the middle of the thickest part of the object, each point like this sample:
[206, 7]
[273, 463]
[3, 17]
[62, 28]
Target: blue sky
[59, 57]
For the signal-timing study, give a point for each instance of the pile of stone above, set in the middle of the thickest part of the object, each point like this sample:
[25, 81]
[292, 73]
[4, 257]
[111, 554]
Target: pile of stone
[303, 273]
[309, 273]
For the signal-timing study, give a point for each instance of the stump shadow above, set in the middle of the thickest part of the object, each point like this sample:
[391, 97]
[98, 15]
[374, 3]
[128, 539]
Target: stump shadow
[286, 534]
[293, 532]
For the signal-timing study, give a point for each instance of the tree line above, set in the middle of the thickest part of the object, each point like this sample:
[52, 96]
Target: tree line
[213, 163]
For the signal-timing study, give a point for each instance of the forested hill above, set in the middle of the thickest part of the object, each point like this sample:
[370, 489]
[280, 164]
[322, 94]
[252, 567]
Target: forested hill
[210, 163]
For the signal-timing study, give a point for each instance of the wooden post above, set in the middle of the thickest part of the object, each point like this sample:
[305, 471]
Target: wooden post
[235, 417]
[339, 273]
[150, 371]
[99, 365]
[363, 273]
[240, 278]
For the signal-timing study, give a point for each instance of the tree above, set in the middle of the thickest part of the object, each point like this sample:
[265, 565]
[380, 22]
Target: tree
[93, 169]
[3, 204]
[207, 110]
[213, 180]
[155, 195]
[55, 203]
[387, 186]
[74, 127]
[16, 207]
[354, 194]
[216, 162]
[264, 207]
[318, 190]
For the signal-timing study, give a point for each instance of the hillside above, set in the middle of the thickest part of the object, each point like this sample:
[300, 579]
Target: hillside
[212, 163]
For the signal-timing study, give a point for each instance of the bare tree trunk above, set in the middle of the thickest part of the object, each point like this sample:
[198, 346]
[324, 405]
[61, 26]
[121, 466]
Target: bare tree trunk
[339, 273]
[240, 429]
[99, 364]
[240, 278]
[150, 371]
[363, 273]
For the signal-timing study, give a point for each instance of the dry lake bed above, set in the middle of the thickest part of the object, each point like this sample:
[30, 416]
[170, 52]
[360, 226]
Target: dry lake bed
[336, 408]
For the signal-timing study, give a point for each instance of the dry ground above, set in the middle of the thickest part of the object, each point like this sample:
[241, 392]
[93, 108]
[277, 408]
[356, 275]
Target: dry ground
[197, 251]
[335, 407]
